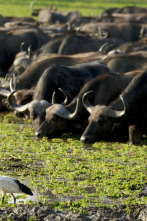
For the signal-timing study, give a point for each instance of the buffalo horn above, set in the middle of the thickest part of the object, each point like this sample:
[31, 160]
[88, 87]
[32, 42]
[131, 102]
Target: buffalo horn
[19, 108]
[103, 47]
[54, 100]
[86, 103]
[65, 114]
[21, 46]
[115, 113]
[107, 111]
[13, 83]
[30, 51]
[4, 92]
[142, 32]
[102, 33]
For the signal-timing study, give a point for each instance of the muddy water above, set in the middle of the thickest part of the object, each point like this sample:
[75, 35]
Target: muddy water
[34, 198]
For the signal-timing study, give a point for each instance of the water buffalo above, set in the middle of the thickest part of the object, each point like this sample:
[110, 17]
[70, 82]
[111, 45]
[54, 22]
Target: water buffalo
[128, 110]
[27, 81]
[73, 117]
[71, 79]
[122, 63]
[108, 14]
[10, 41]
[121, 30]
[72, 42]
[125, 10]
[53, 16]
[29, 78]
[135, 46]
[4, 94]
[21, 62]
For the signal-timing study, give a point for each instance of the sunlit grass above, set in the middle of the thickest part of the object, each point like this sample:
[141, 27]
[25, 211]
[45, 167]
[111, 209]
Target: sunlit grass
[87, 8]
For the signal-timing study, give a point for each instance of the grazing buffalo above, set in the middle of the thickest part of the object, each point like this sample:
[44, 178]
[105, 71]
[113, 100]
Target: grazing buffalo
[71, 79]
[73, 117]
[122, 63]
[29, 78]
[55, 17]
[120, 30]
[20, 63]
[128, 110]
[27, 81]
[72, 42]
[126, 10]
[10, 41]
[132, 47]
[4, 94]
[109, 15]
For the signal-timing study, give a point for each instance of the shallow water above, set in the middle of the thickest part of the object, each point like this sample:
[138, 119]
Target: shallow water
[34, 198]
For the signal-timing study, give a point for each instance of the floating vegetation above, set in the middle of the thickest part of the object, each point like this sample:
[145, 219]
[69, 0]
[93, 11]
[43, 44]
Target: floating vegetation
[68, 174]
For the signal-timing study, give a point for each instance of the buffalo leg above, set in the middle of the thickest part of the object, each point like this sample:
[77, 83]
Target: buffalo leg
[134, 135]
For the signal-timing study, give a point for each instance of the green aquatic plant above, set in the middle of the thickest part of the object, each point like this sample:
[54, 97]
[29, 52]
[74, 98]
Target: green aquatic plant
[68, 174]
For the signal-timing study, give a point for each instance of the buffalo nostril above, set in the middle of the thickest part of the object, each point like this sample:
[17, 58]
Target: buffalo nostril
[18, 114]
[82, 139]
[37, 134]
[85, 139]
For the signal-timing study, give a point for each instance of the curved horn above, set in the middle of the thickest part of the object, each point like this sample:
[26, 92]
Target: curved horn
[13, 83]
[62, 112]
[78, 29]
[102, 33]
[31, 5]
[68, 26]
[141, 35]
[105, 34]
[103, 47]
[117, 114]
[124, 105]
[54, 100]
[21, 46]
[19, 108]
[30, 51]
[6, 76]
[4, 92]
[86, 103]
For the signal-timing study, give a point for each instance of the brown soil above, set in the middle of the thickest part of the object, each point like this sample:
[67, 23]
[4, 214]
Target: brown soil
[47, 213]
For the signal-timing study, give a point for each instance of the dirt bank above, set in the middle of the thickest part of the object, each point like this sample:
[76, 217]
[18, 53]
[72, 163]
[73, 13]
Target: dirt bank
[47, 213]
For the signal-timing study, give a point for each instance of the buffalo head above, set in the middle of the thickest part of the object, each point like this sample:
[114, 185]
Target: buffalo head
[102, 120]
[35, 110]
[56, 121]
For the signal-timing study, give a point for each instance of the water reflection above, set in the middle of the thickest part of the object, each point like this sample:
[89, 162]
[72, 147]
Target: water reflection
[34, 198]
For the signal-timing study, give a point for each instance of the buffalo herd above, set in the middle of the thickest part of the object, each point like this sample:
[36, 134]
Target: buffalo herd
[70, 73]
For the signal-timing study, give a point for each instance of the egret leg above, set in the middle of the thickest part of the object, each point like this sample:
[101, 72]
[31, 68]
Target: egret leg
[14, 198]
